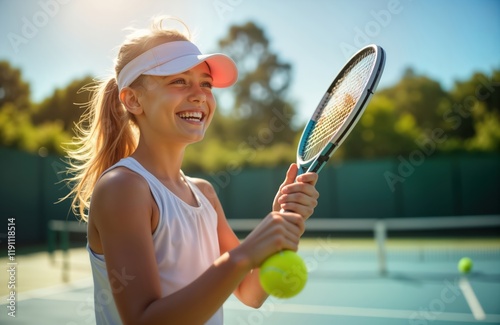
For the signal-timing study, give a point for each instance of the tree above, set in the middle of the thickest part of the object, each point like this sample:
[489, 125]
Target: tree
[419, 96]
[13, 89]
[17, 129]
[472, 100]
[253, 126]
[64, 105]
[381, 132]
[403, 117]
[473, 114]
[259, 97]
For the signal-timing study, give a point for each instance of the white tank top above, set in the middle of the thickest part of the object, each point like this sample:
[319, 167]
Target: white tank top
[185, 242]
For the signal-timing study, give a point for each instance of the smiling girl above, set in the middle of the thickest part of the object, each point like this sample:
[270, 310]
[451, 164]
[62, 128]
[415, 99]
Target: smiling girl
[161, 249]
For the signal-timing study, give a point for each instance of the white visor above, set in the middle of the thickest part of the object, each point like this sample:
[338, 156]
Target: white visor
[176, 57]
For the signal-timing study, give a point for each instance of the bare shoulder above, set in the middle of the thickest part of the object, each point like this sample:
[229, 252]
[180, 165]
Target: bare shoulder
[120, 180]
[120, 203]
[202, 183]
[205, 187]
[120, 192]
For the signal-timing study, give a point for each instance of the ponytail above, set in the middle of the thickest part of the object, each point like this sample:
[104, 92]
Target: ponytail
[106, 134]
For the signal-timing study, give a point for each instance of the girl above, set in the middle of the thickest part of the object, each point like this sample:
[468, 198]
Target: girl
[160, 246]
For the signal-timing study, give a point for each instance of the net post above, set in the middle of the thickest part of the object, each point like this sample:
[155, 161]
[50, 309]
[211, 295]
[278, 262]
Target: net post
[51, 242]
[65, 252]
[380, 233]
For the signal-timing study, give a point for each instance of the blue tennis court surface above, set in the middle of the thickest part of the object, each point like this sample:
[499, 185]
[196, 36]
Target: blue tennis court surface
[344, 287]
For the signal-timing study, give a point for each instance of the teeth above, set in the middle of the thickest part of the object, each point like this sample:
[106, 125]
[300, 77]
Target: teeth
[191, 116]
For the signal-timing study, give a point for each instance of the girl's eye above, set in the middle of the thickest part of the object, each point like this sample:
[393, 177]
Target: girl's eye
[179, 82]
[204, 84]
[207, 84]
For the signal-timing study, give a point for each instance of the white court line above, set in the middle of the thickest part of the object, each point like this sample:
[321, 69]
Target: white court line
[471, 298]
[270, 308]
[45, 292]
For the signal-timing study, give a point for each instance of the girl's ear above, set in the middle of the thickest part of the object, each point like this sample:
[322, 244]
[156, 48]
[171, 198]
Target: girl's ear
[130, 99]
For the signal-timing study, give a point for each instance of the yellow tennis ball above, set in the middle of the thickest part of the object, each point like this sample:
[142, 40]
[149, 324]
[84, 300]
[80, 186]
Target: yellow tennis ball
[283, 275]
[465, 265]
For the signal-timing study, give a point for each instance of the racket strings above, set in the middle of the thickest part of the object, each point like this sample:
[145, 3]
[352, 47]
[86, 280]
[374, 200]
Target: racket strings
[339, 104]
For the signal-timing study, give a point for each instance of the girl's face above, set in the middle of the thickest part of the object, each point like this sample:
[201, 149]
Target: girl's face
[178, 108]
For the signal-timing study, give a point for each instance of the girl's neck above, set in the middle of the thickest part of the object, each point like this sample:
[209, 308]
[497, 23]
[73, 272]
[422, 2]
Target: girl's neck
[163, 161]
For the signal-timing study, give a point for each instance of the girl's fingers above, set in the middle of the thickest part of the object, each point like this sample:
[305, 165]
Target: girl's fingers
[290, 175]
[289, 224]
[300, 188]
[304, 210]
[276, 232]
[295, 225]
[300, 198]
[310, 178]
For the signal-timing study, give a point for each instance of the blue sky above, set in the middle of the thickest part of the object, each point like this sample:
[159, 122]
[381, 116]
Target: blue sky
[56, 41]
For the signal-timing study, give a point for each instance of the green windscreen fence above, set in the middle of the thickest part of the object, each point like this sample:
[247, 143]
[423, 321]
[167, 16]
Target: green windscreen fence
[31, 187]
[20, 190]
[29, 191]
[362, 191]
[479, 188]
[429, 191]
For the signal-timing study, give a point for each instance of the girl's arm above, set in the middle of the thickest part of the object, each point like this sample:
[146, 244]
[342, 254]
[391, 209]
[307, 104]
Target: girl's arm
[249, 290]
[122, 211]
[300, 196]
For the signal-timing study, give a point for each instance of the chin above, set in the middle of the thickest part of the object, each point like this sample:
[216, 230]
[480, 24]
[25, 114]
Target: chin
[196, 139]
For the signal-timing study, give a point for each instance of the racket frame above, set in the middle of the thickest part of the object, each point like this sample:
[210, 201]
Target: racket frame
[316, 163]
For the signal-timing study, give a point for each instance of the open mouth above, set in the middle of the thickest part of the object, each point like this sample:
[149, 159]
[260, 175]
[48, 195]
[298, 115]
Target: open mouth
[191, 116]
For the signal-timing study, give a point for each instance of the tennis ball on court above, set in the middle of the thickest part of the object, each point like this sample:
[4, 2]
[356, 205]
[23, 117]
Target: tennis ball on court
[465, 265]
[283, 275]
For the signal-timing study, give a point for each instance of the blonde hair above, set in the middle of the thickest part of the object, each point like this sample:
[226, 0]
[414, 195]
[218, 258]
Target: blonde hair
[107, 132]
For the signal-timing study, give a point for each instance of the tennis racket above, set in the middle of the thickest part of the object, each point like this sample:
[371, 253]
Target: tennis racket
[334, 118]
[340, 108]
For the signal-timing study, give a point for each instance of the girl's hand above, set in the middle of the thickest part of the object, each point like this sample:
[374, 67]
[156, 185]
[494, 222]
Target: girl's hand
[297, 195]
[276, 232]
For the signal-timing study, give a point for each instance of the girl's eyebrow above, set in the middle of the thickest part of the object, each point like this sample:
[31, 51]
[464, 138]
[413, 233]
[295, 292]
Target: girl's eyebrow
[207, 75]
[203, 75]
